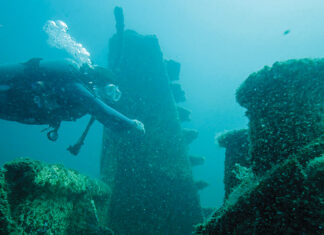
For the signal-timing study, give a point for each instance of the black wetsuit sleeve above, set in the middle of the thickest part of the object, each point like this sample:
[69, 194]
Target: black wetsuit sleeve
[108, 116]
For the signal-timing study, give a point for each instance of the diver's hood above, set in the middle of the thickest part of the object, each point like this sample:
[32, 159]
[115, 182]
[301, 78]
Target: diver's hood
[97, 75]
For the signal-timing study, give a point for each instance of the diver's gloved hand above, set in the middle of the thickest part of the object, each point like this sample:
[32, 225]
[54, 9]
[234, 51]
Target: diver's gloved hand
[139, 126]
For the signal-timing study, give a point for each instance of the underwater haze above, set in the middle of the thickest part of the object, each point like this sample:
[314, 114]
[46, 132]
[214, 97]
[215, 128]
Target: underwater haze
[218, 43]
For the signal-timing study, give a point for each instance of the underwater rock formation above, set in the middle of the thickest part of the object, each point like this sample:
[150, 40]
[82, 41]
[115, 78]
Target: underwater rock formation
[288, 199]
[37, 198]
[153, 191]
[282, 192]
[285, 107]
[237, 152]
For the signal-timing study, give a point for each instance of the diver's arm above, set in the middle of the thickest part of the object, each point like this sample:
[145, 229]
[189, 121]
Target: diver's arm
[108, 116]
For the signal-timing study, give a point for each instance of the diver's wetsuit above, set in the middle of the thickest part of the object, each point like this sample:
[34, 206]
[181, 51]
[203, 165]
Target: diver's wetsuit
[39, 92]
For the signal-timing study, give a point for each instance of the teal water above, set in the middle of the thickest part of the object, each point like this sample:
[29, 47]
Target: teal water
[217, 43]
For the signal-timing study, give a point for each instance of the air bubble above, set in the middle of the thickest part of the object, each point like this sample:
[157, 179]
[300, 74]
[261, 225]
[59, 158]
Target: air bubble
[59, 37]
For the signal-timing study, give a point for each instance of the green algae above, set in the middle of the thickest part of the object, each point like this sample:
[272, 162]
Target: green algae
[237, 152]
[285, 107]
[285, 200]
[285, 147]
[38, 198]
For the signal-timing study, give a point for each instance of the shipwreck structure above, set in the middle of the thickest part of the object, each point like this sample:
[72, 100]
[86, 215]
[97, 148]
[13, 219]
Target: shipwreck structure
[237, 152]
[38, 198]
[281, 189]
[153, 191]
[285, 109]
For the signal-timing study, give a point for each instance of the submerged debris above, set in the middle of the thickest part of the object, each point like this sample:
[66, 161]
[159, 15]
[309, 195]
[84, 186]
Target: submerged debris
[285, 200]
[201, 184]
[285, 109]
[37, 198]
[189, 135]
[184, 114]
[197, 160]
[283, 193]
[237, 152]
[153, 191]
[173, 69]
[178, 94]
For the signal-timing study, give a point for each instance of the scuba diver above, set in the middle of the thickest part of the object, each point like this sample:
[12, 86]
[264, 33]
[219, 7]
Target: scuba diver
[48, 92]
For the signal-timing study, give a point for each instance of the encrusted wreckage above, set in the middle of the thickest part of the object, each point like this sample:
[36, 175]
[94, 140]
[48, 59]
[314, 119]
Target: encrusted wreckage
[38, 198]
[280, 159]
[153, 191]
